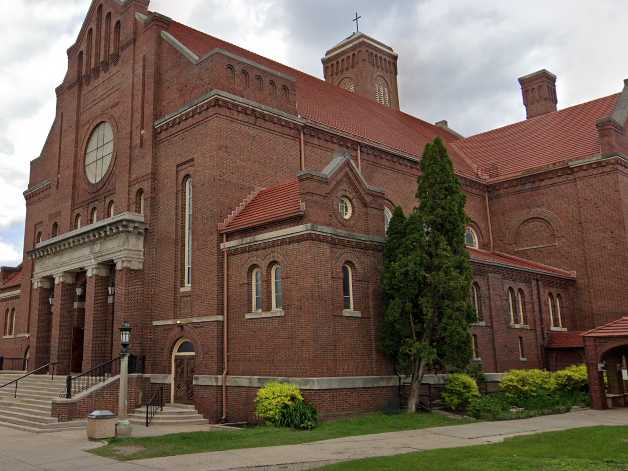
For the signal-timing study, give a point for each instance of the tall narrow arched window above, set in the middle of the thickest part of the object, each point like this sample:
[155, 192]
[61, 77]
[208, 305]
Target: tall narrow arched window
[474, 347]
[260, 82]
[512, 307]
[111, 209]
[77, 221]
[382, 92]
[347, 287]
[276, 287]
[273, 87]
[12, 325]
[93, 216]
[89, 52]
[230, 70]
[139, 201]
[54, 232]
[98, 36]
[471, 238]
[116, 39]
[521, 307]
[79, 69]
[285, 92]
[387, 218]
[245, 79]
[187, 230]
[552, 310]
[107, 44]
[7, 322]
[477, 302]
[38, 237]
[256, 290]
[559, 314]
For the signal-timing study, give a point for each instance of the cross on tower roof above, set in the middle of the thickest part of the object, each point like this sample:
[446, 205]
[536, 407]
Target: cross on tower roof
[357, 22]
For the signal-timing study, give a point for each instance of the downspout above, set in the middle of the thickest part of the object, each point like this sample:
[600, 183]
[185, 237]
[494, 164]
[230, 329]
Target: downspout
[225, 337]
[488, 217]
[359, 158]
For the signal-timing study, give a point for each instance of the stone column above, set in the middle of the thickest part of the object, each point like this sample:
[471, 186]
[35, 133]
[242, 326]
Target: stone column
[41, 313]
[97, 340]
[62, 322]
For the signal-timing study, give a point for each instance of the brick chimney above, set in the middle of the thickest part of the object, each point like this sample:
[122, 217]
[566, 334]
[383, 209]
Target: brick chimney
[539, 93]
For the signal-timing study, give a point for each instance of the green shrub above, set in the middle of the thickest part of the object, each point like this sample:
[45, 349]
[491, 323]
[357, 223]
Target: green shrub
[489, 407]
[573, 379]
[520, 385]
[459, 391]
[301, 415]
[272, 397]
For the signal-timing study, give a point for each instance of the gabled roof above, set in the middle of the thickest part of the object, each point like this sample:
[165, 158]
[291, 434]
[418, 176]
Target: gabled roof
[264, 206]
[553, 138]
[618, 328]
[510, 261]
[570, 339]
[332, 107]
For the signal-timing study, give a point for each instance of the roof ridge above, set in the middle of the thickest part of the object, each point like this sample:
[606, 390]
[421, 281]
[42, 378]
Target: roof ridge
[605, 326]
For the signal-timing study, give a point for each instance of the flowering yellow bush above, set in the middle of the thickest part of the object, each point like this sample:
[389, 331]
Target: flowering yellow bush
[273, 397]
[570, 380]
[522, 384]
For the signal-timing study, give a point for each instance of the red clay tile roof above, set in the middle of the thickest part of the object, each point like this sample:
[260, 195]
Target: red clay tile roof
[618, 328]
[331, 106]
[549, 139]
[503, 259]
[278, 203]
[565, 340]
[14, 280]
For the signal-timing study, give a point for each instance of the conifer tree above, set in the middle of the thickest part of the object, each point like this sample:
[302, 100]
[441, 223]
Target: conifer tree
[427, 277]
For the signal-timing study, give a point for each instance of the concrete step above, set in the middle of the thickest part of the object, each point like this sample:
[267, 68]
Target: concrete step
[22, 395]
[24, 415]
[34, 408]
[35, 427]
[22, 400]
[173, 414]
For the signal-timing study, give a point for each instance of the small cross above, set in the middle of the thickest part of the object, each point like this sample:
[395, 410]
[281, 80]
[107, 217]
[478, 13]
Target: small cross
[357, 22]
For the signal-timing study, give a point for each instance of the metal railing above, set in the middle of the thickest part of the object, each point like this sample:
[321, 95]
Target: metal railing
[48, 366]
[155, 404]
[13, 363]
[84, 381]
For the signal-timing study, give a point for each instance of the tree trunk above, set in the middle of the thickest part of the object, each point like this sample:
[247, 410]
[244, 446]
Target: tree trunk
[415, 388]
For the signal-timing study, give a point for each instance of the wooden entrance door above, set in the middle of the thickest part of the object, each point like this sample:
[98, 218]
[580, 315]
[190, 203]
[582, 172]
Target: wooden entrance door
[184, 379]
[77, 350]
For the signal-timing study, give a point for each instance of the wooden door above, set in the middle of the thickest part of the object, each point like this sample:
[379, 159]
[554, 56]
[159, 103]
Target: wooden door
[77, 350]
[184, 379]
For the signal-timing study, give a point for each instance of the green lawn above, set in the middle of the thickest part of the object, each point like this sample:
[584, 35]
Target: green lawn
[588, 449]
[196, 442]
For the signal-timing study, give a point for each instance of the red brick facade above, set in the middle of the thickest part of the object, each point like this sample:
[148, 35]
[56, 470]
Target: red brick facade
[184, 105]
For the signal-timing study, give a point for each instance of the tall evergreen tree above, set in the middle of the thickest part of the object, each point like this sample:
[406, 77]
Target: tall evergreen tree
[427, 277]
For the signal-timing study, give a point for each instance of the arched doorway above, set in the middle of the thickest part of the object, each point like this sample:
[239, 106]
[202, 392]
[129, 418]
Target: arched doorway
[614, 367]
[183, 358]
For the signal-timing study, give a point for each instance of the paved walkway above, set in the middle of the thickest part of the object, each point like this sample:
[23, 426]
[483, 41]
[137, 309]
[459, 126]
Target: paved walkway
[63, 451]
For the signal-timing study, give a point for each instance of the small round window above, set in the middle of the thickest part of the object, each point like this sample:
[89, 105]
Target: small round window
[99, 152]
[345, 208]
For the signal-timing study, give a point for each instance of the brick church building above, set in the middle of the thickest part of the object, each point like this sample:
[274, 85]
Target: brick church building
[233, 210]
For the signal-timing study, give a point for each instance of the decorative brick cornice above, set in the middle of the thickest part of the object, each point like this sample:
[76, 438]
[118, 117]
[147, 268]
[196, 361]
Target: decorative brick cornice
[37, 189]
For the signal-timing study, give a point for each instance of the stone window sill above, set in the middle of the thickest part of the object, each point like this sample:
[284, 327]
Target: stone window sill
[519, 326]
[351, 313]
[185, 289]
[479, 324]
[8, 337]
[523, 359]
[558, 329]
[264, 314]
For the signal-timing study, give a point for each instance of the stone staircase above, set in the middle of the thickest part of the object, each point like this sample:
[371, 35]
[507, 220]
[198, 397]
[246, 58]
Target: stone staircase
[173, 414]
[30, 411]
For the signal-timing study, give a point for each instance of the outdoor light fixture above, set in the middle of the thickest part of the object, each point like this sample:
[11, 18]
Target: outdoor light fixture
[112, 290]
[79, 291]
[51, 300]
[125, 336]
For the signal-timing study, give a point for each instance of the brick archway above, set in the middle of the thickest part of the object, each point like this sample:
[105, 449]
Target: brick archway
[606, 352]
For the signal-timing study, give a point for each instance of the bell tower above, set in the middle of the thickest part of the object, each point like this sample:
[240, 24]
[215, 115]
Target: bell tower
[364, 66]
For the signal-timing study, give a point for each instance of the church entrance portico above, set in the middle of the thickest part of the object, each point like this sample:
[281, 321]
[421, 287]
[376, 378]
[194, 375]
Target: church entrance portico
[74, 279]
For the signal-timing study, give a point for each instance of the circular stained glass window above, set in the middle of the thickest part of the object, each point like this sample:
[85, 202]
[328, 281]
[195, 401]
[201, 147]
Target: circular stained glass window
[99, 152]
[345, 207]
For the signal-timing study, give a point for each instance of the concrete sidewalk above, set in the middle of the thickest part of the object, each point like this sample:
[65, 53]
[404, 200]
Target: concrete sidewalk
[22, 451]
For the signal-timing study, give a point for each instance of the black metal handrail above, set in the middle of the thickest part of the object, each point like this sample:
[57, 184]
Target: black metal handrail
[156, 403]
[49, 366]
[84, 381]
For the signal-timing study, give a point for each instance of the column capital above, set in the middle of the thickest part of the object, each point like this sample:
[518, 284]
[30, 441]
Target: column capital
[97, 270]
[44, 283]
[66, 277]
[130, 264]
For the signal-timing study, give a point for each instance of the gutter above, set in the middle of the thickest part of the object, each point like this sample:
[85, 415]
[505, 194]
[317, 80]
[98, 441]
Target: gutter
[225, 336]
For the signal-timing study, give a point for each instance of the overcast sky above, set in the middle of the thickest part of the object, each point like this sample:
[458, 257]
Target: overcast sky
[458, 59]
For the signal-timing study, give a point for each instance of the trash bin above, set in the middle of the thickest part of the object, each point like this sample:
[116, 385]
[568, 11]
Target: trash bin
[101, 424]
